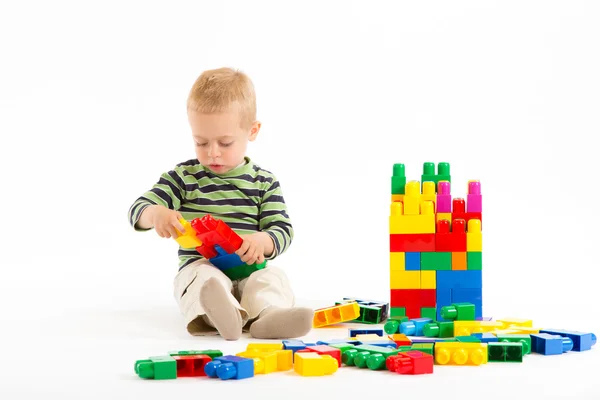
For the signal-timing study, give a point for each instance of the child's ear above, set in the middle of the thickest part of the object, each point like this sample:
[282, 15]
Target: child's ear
[254, 130]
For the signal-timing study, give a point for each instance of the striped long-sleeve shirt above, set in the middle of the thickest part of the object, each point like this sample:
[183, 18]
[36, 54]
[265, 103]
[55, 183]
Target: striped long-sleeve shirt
[248, 198]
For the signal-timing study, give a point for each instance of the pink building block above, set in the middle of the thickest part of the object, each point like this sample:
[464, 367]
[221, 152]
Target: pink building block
[444, 199]
[474, 197]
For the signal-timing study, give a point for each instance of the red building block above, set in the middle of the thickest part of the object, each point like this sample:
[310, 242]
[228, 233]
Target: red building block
[213, 231]
[443, 238]
[412, 242]
[192, 365]
[459, 211]
[458, 237]
[324, 350]
[410, 363]
[412, 300]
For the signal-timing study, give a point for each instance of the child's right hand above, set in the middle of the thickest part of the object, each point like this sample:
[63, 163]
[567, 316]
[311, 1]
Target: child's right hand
[165, 221]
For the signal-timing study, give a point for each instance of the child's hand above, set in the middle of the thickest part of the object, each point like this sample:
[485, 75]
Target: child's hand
[165, 221]
[252, 249]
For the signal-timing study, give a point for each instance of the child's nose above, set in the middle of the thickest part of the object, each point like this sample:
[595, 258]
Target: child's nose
[213, 151]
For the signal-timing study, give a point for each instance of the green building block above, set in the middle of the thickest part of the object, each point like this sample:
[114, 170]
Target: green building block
[360, 355]
[424, 347]
[459, 312]
[243, 271]
[397, 312]
[505, 352]
[159, 367]
[429, 312]
[429, 173]
[210, 353]
[342, 346]
[398, 179]
[474, 260]
[436, 261]
[441, 329]
[516, 338]
[393, 323]
[467, 339]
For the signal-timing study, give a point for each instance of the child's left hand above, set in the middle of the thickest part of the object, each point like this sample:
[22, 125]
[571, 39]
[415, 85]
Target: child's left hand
[252, 249]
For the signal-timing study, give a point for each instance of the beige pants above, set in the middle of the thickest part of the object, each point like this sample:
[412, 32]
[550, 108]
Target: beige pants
[266, 287]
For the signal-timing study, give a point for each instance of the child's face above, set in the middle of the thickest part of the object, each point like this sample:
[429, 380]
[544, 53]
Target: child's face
[219, 140]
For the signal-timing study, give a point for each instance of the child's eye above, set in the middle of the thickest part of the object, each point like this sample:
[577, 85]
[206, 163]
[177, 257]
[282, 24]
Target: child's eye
[226, 144]
[201, 144]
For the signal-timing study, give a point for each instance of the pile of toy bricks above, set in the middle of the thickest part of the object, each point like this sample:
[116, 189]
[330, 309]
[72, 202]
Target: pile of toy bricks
[435, 244]
[408, 347]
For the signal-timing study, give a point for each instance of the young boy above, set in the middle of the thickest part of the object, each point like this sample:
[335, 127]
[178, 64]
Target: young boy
[225, 183]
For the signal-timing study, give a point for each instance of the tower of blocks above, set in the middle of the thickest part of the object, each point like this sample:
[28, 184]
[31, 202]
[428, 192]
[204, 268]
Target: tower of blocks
[435, 244]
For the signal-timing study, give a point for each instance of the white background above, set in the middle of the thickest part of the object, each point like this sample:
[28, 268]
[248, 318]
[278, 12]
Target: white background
[92, 111]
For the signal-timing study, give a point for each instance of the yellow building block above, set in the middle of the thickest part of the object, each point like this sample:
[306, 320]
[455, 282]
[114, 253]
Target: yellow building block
[336, 314]
[313, 364]
[474, 235]
[401, 223]
[397, 261]
[412, 198]
[512, 322]
[264, 346]
[459, 353]
[446, 216]
[366, 337]
[264, 362]
[405, 279]
[467, 328]
[188, 239]
[429, 193]
[428, 279]
[397, 197]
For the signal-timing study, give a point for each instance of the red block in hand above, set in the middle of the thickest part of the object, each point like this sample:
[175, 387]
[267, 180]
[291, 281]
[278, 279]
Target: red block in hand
[213, 232]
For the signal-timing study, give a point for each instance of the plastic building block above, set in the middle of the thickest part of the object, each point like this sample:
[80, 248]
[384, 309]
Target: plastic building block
[412, 300]
[336, 314]
[428, 312]
[415, 242]
[405, 279]
[372, 331]
[459, 212]
[230, 367]
[188, 238]
[548, 345]
[474, 197]
[191, 365]
[344, 346]
[443, 298]
[397, 312]
[427, 348]
[371, 311]
[313, 364]
[436, 261]
[512, 322]
[444, 198]
[369, 356]
[474, 260]
[336, 342]
[458, 236]
[397, 261]
[459, 260]
[381, 343]
[429, 175]
[459, 312]
[442, 329]
[326, 350]
[581, 341]
[485, 337]
[466, 328]
[265, 346]
[456, 353]
[241, 270]
[398, 179]
[393, 324]
[413, 261]
[443, 236]
[264, 362]
[412, 200]
[505, 352]
[429, 193]
[403, 223]
[459, 279]
[467, 339]
[469, 295]
[210, 353]
[474, 236]
[400, 339]
[410, 363]
[157, 368]
[363, 338]
[294, 345]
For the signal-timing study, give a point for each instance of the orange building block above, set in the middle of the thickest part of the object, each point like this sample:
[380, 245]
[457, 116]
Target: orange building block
[459, 261]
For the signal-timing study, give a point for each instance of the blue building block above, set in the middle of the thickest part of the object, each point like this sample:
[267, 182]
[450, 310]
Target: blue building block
[412, 261]
[485, 337]
[230, 367]
[472, 296]
[581, 341]
[443, 297]
[382, 343]
[414, 327]
[294, 345]
[458, 279]
[225, 261]
[374, 331]
[548, 345]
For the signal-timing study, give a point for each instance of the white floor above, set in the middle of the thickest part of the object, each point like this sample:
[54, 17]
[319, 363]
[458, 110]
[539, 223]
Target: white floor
[90, 354]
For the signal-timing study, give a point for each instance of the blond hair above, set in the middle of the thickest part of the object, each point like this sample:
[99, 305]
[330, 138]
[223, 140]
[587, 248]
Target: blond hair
[224, 90]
